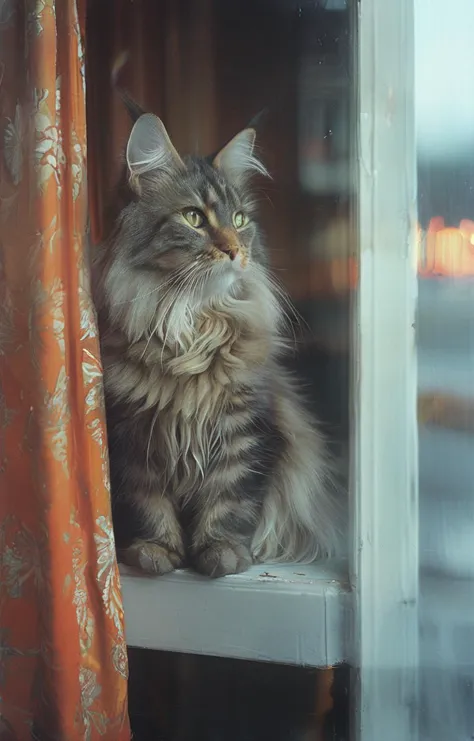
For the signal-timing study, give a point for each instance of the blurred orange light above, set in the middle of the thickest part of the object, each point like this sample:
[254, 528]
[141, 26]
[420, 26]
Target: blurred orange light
[446, 251]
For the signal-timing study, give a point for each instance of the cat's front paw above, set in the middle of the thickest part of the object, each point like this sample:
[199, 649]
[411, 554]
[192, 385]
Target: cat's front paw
[221, 559]
[151, 558]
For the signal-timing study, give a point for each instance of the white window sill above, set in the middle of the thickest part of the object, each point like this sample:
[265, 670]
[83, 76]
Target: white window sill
[290, 614]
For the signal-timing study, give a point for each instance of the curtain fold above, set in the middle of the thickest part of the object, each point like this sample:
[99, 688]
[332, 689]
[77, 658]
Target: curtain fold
[63, 662]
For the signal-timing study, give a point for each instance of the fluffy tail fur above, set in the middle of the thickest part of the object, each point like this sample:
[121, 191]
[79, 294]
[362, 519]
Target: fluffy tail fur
[302, 517]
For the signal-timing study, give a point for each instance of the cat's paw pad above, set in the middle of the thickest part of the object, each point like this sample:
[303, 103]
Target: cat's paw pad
[151, 558]
[221, 559]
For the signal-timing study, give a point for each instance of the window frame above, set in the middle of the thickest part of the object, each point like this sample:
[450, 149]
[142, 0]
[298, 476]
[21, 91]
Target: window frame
[384, 505]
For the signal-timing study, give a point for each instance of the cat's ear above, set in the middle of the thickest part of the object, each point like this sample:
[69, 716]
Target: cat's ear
[149, 148]
[237, 159]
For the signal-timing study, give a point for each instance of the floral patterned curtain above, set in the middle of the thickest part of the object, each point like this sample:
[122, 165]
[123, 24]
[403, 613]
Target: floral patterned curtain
[63, 663]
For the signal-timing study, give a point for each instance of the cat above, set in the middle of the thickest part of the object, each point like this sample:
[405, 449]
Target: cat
[215, 462]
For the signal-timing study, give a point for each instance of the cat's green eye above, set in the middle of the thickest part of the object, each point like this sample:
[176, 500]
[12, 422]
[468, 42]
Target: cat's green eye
[194, 217]
[240, 219]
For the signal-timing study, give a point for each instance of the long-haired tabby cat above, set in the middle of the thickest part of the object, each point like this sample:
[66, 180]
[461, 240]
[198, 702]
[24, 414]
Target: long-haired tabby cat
[215, 462]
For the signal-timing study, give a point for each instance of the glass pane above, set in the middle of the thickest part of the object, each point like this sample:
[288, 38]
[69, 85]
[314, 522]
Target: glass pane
[206, 84]
[445, 145]
[207, 69]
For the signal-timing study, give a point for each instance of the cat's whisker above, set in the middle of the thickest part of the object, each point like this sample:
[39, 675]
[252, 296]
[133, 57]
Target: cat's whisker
[291, 311]
[171, 278]
[173, 302]
[148, 447]
[180, 278]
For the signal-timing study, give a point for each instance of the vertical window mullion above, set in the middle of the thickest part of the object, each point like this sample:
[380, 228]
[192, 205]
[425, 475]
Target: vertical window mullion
[384, 568]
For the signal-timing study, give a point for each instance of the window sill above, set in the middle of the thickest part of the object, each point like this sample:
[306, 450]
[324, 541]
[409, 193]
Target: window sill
[290, 614]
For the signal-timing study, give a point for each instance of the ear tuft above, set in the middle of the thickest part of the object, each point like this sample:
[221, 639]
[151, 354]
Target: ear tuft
[149, 148]
[134, 110]
[237, 158]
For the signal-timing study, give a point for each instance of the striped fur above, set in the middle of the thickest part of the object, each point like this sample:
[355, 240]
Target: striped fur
[214, 461]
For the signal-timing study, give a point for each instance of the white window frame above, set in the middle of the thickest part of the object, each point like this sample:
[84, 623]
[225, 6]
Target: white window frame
[384, 564]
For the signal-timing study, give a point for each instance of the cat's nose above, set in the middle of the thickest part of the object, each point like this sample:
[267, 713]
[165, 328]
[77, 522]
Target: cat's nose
[229, 249]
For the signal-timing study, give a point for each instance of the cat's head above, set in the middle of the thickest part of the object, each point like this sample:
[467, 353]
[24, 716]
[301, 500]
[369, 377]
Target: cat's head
[190, 216]
[188, 238]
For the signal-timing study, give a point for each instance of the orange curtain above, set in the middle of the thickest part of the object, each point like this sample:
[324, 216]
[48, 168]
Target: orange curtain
[63, 662]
